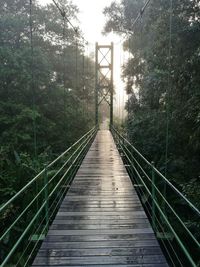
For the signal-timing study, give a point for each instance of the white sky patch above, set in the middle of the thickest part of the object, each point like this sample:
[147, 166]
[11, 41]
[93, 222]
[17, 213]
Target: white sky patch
[92, 21]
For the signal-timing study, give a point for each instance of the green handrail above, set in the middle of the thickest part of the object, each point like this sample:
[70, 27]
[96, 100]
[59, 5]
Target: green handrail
[161, 212]
[157, 171]
[51, 190]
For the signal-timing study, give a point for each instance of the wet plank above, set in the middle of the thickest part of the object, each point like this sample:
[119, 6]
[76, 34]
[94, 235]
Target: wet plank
[99, 244]
[99, 252]
[124, 265]
[101, 260]
[100, 237]
[101, 221]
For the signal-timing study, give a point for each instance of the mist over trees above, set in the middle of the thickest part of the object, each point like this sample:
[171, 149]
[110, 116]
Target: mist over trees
[47, 86]
[163, 83]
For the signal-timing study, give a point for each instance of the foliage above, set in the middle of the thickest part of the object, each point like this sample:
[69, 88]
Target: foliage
[163, 86]
[44, 98]
[162, 80]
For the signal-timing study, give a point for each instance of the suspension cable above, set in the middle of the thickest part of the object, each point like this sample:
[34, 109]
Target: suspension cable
[83, 69]
[76, 64]
[32, 79]
[140, 13]
[64, 46]
[129, 56]
[64, 73]
[141, 41]
[63, 14]
[168, 88]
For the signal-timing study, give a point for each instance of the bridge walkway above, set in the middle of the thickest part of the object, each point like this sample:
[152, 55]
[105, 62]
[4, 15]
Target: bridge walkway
[101, 221]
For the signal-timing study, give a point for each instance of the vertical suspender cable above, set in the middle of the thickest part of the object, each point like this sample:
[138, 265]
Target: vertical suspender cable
[87, 73]
[120, 63]
[120, 100]
[129, 56]
[76, 74]
[168, 89]
[32, 81]
[141, 42]
[83, 68]
[64, 67]
[64, 70]
[83, 82]
[76, 63]
[123, 99]
[63, 14]
[33, 97]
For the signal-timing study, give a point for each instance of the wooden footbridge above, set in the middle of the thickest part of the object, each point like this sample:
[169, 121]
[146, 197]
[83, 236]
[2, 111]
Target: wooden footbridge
[100, 203]
[101, 221]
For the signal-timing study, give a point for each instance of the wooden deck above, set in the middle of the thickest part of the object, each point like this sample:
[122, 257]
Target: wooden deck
[101, 221]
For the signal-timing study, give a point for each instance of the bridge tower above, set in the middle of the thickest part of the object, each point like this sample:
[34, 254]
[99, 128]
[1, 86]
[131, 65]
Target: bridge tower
[104, 79]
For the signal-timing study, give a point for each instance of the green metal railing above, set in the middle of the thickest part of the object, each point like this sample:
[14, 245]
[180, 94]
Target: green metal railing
[175, 220]
[26, 217]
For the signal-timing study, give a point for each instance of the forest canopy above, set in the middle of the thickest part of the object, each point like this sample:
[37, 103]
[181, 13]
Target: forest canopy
[46, 88]
[162, 81]
[47, 95]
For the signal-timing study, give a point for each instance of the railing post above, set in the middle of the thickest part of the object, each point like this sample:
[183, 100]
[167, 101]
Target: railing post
[165, 196]
[153, 196]
[46, 195]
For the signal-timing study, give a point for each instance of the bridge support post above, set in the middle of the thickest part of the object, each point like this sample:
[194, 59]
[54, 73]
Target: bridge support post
[111, 87]
[96, 85]
[153, 197]
[46, 199]
[104, 78]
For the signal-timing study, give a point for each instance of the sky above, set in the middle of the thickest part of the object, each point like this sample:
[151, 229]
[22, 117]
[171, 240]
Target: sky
[91, 22]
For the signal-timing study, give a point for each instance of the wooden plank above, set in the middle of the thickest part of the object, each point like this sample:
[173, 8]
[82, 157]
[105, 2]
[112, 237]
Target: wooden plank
[101, 231]
[100, 252]
[101, 217]
[124, 265]
[100, 244]
[100, 237]
[137, 214]
[98, 221]
[67, 226]
[101, 221]
[101, 260]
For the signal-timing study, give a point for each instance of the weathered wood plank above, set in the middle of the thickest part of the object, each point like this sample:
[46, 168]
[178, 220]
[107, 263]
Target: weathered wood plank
[101, 221]
[100, 237]
[114, 260]
[137, 214]
[64, 226]
[100, 244]
[100, 252]
[105, 265]
[101, 231]
[108, 221]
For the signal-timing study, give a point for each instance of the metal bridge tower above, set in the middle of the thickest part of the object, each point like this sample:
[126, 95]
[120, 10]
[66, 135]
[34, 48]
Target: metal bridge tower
[104, 79]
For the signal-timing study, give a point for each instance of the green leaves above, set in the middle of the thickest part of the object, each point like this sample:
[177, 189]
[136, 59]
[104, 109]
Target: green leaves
[159, 84]
[35, 103]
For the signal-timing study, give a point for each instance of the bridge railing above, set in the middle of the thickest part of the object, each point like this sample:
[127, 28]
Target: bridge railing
[26, 217]
[175, 220]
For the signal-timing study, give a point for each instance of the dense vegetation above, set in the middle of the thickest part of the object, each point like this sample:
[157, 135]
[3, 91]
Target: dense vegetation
[46, 90]
[46, 94]
[163, 83]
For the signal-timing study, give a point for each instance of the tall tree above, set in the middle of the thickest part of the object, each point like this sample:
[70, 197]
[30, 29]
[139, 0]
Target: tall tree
[48, 85]
[162, 77]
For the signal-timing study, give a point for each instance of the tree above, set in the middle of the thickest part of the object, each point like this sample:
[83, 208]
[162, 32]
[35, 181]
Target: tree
[49, 94]
[163, 86]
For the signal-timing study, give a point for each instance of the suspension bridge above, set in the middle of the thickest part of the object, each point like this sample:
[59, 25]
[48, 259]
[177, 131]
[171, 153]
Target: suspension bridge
[100, 203]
